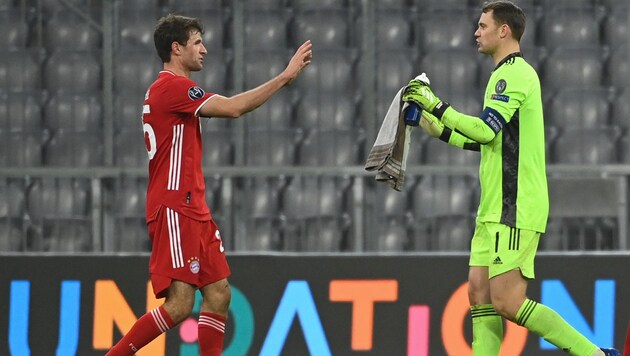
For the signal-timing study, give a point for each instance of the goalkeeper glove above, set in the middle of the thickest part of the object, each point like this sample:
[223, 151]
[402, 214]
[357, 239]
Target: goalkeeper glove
[431, 125]
[419, 92]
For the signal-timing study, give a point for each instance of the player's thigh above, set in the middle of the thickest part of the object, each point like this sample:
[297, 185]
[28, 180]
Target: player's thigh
[478, 285]
[508, 292]
[180, 299]
[480, 246]
[216, 296]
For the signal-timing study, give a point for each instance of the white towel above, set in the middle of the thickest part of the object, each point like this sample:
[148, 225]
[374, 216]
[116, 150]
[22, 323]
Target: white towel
[388, 155]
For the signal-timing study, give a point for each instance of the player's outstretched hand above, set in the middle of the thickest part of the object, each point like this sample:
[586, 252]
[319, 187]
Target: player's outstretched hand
[300, 59]
[431, 125]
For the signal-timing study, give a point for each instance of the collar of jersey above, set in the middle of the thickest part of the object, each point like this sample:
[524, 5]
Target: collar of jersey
[510, 56]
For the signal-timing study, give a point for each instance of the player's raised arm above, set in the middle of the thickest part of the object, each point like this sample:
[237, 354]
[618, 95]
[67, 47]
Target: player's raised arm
[237, 105]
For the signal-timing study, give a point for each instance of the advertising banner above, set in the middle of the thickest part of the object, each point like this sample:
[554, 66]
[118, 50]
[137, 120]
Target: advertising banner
[414, 305]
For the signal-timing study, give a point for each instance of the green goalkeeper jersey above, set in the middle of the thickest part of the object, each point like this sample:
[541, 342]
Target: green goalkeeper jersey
[512, 169]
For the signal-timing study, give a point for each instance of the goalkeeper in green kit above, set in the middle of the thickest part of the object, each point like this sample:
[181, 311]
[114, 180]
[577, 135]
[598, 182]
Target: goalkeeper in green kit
[514, 203]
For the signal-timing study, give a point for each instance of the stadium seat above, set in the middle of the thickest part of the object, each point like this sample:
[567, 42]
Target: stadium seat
[20, 149]
[187, 6]
[134, 72]
[571, 4]
[312, 197]
[11, 235]
[616, 24]
[12, 204]
[333, 71]
[323, 110]
[67, 148]
[451, 70]
[20, 112]
[447, 29]
[621, 109]
[431, 5]
[438, 196]
[131, 235]
[394, 4]
[266, 29]
[130, 194]
[326, 28]
[74, 112]
[624, 146]
[570, 28]
[394, 28]
[619, 67]
[394, 69]
[453, 233]
[218, 148]
[277, 113]
[393, 237]
[587, 108]
[440, 153]
[59, 198]
[136, 29]
[14, 27]
[262, 194]
[130, 149]
[66, 30]
[20, 70]
[263, 234]
[262, 65]
[274, 148]
[586, 146]
[323, 4]
[322, 235]
[67, 235]
[330, 148]
[570, 67]
[214, 76]
[73, 72]
[128, 112]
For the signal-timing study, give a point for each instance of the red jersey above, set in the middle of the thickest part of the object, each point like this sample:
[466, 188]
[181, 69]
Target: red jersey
[172, 134]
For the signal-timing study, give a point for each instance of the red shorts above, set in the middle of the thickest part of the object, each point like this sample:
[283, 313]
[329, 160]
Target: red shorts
[186, 250]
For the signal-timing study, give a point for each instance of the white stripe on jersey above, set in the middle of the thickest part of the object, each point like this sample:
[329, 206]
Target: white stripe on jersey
[159, 320]
[213, 323]
[174, 238]
[176, 157]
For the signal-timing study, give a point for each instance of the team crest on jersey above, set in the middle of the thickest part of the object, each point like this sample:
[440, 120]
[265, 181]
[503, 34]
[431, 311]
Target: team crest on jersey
[194, 265]
[195, 93]
[500, 87]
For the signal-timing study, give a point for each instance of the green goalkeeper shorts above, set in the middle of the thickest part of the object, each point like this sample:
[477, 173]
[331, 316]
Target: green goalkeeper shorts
[502, 248]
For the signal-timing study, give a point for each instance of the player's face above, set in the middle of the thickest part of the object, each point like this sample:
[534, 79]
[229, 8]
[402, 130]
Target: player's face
[193, 52]
[487, 34]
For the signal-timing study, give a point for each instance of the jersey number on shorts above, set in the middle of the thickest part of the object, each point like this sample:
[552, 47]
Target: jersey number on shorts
[218, 236]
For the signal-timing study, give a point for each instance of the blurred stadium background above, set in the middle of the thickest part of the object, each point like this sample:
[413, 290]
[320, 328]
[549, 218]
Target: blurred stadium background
[289, 177]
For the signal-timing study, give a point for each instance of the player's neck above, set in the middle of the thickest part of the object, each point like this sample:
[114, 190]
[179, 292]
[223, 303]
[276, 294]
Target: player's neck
[505, 51]
[177, 69]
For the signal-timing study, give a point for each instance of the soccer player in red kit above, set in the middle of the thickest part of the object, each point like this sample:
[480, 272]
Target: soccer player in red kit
[187, 253]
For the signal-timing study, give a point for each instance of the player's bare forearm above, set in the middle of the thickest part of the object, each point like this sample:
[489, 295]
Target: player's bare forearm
[237, 105]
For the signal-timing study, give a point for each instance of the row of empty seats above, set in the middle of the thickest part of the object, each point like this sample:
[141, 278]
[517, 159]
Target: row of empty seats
[282, 214]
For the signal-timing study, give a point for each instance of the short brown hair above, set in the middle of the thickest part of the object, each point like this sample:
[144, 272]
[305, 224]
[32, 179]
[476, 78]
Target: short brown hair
[173, 28]
[506, 12]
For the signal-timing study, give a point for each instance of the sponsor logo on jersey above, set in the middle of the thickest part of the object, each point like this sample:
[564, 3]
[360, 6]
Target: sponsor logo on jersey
[499, 88]
[196, 93]
[497, 261]
[499, 97]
